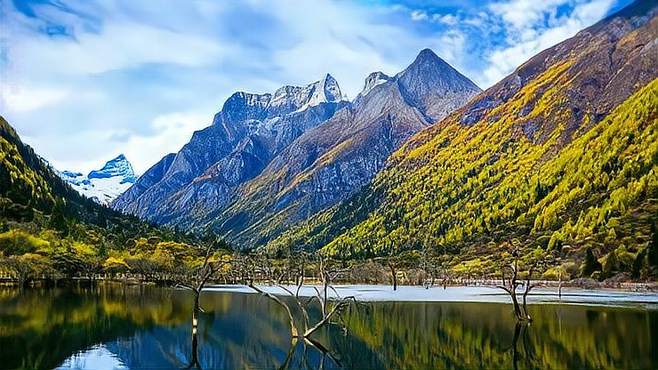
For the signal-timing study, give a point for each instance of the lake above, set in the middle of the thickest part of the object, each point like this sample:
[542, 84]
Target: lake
[132, 327]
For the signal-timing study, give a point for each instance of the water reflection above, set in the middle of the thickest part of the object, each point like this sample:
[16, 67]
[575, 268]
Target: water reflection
[97, 357]
[151, 327]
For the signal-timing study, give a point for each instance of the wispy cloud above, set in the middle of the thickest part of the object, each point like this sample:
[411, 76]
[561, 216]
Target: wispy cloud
[418, 15]
[85, 80]
[537, 25]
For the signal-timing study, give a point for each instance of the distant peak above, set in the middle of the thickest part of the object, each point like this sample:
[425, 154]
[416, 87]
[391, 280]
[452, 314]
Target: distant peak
[325, 90]
[427, 53]
[428, 68]
[330, 90]
[374, 79]
[119, 166]
[374, 76]
[427, 57]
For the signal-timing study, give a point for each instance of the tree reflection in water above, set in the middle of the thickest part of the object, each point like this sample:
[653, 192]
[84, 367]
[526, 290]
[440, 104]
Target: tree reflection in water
[303, 359]
[151, 328]
[520, 329]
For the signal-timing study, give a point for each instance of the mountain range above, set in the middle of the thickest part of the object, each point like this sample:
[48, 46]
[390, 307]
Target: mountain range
[105, 184]
[249, 130]
[271, 160]
[559, 156]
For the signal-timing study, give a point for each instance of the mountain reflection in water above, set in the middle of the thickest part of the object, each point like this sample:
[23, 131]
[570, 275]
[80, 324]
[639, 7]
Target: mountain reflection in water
[112, 326]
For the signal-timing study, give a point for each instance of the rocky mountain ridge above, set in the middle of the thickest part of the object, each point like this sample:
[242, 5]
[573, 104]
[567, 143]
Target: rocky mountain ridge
[244, 135]
[330, 162]
[299, 150]
[559, 157]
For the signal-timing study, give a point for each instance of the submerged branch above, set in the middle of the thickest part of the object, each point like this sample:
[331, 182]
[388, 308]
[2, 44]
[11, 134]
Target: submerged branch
[293, 328]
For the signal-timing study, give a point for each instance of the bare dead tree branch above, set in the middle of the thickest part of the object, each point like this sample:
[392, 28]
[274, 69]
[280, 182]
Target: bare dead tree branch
[512, 284]
[330, 307]
[293, 327]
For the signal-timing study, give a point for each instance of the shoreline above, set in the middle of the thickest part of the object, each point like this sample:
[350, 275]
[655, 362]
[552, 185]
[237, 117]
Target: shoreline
[636, 295]
[463, 294]
[584, 284]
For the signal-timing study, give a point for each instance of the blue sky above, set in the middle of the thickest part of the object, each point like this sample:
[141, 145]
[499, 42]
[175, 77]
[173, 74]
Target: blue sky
[83, 80]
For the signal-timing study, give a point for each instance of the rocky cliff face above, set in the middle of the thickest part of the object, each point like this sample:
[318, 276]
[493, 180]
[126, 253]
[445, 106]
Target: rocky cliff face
[249, 130]
[329, 162]
[273, 159]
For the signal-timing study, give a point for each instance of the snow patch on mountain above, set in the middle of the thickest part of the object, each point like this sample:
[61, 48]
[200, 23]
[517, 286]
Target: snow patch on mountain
[105, 184]
[374, 79]
[323, 91]
[288, 99]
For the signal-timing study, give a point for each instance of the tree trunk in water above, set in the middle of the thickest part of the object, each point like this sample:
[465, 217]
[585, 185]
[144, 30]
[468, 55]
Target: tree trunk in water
[394, 277]
[515, 302]
[195, 312]
[515, 340]
[22, 283]
[194, 362]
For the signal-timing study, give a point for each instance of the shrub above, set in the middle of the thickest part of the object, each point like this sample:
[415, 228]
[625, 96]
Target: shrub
[590, 264]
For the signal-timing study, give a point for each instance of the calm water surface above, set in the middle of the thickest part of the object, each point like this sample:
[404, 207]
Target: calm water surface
[132, 328]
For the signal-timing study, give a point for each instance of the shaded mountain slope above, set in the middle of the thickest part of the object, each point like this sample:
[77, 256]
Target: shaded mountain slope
[245, 135]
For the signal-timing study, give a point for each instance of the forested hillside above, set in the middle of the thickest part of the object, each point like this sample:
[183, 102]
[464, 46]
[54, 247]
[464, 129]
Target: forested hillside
[557, 157]
[49, 230]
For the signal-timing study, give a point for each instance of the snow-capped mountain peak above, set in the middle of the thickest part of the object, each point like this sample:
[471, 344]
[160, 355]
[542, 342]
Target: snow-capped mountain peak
[117, 167]
[287, 99]
[325, 90]
[105, 184]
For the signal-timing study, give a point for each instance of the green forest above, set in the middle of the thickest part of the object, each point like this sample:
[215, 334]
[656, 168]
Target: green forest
[589, 211]
[466, 193]
[48, 231]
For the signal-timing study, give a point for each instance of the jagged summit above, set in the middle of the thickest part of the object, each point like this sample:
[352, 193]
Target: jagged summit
[117, 167]
[105, 184]
[373, 79]
[286, 99]
[246, 134]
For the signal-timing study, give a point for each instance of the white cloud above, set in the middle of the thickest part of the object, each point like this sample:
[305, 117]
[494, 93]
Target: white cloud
[447, 19]
[523, 13]
[530, 38]
[24, 98]
[418, 15]
[120, 45]
[106, 85]
[452, 46]
[173, 131]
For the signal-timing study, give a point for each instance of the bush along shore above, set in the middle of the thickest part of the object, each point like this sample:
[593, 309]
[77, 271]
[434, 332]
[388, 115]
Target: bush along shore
[48, 259]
